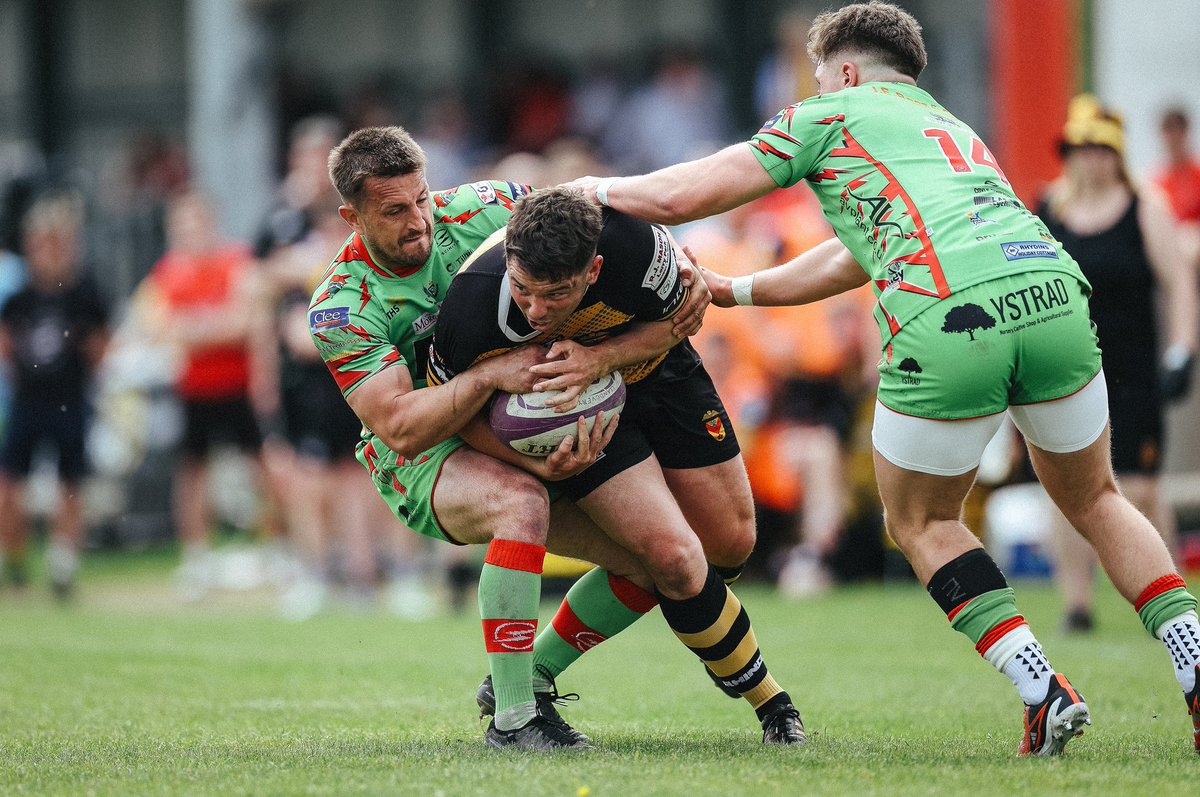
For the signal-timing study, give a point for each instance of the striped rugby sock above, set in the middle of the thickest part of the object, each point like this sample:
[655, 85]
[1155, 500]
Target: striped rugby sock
[980, 605]
[1168, 611]
[597, 607]
[715, 627]
[510, 586]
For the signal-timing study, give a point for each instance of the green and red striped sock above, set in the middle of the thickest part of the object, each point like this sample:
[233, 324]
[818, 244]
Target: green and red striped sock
[510, 586]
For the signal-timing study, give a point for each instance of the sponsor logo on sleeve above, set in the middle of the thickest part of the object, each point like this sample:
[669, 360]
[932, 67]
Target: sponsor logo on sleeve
[1024, 250]
[328, 318]
[485, 192]
[663, 272]
[518, 190]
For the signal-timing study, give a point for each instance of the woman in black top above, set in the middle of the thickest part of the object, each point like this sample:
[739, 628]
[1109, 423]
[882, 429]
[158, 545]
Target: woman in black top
[1124, 240]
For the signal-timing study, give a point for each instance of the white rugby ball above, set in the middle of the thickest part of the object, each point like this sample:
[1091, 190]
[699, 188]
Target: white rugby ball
[529, 426]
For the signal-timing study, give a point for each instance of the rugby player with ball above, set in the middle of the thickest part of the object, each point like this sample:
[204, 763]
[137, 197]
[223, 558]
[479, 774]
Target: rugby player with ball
[371, 318]
[599, 290]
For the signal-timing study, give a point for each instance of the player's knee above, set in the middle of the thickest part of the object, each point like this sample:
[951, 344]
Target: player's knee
[905, 529]
[729, 537]
[677, 565]
[519, 509]
[1081, 508]
[733, 548]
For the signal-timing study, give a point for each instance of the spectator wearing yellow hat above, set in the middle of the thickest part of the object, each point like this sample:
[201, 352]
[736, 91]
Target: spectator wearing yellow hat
[1124, 238]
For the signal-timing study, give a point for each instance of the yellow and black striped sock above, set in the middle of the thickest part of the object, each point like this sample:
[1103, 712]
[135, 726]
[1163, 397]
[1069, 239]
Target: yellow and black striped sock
[714, 625]
[730, 574]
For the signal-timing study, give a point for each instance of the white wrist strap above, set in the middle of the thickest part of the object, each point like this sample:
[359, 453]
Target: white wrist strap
[743, 287]
[602, 190]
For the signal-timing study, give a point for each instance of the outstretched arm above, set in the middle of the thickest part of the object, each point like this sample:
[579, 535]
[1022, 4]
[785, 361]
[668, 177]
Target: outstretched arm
[823, 271]
[686, 191]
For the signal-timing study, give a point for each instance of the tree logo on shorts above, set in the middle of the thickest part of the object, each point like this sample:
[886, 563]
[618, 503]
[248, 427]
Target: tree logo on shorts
[967, 318]
[911, 368]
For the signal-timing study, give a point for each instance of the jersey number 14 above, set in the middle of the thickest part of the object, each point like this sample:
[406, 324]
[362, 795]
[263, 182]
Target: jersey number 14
[980, 154]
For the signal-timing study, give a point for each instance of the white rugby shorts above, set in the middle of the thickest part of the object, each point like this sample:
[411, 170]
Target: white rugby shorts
[952, 448]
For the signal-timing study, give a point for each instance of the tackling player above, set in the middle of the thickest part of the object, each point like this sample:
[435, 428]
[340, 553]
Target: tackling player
[981, 312]
[671, 486]
[371, 318]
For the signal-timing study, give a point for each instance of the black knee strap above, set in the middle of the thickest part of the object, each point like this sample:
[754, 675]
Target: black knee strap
[964, 578]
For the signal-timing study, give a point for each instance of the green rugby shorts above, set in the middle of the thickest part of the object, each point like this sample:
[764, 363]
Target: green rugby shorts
[1021, 339]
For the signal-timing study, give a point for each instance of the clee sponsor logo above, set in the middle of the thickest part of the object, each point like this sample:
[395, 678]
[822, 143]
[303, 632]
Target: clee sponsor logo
[714, 425]
[1023, 250]
[977, 219]
[424, 323]
[328, 318]
[1030, 300]
[514, 635]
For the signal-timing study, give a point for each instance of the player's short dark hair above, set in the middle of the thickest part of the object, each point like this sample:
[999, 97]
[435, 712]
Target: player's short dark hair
[553, 233]
[372, 152]
[879, 30]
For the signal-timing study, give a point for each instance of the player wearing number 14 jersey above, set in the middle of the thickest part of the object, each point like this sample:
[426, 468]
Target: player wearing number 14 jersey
[981, 312]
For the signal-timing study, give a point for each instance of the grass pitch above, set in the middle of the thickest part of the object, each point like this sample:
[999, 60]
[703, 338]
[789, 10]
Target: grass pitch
[129, 692]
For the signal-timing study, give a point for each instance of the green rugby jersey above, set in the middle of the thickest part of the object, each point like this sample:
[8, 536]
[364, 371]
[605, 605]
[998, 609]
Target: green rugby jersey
[364, 318]
[911, 191]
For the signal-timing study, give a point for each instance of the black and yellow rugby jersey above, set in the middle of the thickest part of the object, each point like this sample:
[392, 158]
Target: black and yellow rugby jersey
[639, 282]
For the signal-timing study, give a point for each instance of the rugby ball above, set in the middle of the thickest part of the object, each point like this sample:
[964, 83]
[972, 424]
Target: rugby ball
[528, 425]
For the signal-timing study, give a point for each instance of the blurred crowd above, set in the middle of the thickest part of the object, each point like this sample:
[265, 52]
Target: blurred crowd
[160, 386]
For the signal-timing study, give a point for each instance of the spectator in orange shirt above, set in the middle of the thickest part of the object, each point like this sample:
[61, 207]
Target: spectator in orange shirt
[1179, 179]
[190, 300]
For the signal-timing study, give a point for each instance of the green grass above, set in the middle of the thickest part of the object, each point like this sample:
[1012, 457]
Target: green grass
[130, 692]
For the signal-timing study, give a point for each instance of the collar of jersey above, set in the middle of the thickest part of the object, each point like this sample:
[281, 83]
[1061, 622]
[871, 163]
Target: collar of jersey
[502, 312]
[369, 259]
